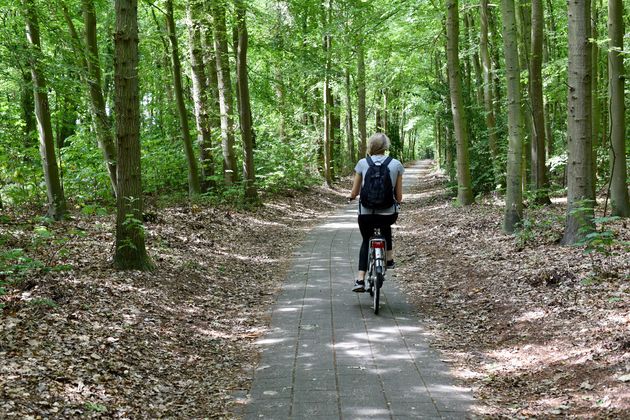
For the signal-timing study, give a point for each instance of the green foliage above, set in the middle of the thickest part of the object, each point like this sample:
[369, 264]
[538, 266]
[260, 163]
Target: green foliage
[539, 227]
[289, 165]
[15, 264]
[95, 407]
[84, 174]
[602, 241]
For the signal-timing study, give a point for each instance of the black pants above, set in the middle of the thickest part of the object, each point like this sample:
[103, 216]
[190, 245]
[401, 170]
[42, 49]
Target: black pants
[367, 223]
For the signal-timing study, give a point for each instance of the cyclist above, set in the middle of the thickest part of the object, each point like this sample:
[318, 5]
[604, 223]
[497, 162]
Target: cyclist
[368, 218]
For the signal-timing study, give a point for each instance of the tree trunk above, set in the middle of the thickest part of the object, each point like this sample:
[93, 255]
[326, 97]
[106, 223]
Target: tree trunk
[495, 41]
[130, 250]
[225, 91]
[514, 193]
[595, 108]
[618, 186]
[193, 174]
[210, 61]
[54, 189]
[351, 157]
[486, 63]
[437, 133]
[200, 95]
[475, 58]
[580, 199]
[361, 113]
[101, 121]
[539, 170]
[92, 66]
[464, 190]
[245, 113]
[523, 25]
[28, 105]
[328, 98]
[280, 90]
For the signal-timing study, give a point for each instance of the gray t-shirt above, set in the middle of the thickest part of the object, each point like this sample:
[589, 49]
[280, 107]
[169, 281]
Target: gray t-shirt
[395, 168]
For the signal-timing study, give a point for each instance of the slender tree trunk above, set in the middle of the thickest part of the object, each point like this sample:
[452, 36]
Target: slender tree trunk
[349, 124]
[328, 98]
[200, 94]
[523, 24]
[130, 250]
[28, 105]
[618, 185]
[193, 173]
[495, 37]
[225, 91]
[54, 189]
[580, 199]
[595, 108]
[361, 112]
[548, 130]
[470, 23]
[539, 170]
[437, 134]
[486, 63]
[210, 62]
[247, 133]
[279, 45]
[464, 190]
[514, 193]
[100, 119]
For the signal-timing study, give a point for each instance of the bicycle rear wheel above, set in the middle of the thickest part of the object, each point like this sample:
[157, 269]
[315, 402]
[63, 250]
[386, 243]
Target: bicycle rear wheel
[378, 282]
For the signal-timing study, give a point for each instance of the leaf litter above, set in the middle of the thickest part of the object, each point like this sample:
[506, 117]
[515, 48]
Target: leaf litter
[536, 329]
[88, 341]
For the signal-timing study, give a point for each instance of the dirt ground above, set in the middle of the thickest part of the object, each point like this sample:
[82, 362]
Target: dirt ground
[537, 330]
[78, 339]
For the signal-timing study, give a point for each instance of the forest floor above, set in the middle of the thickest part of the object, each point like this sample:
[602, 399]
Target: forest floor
[79, 339]
[536, 329]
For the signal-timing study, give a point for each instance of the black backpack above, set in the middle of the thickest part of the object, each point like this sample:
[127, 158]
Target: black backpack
[377, 192]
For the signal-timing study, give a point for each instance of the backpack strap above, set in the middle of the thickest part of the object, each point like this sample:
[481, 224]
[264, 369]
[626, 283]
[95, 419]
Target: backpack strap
[369, 160]
[386, 162]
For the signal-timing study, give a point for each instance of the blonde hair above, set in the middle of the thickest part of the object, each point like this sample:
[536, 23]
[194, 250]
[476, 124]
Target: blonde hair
[378, 144]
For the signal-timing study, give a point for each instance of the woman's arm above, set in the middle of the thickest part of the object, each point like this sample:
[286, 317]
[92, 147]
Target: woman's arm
[398, 189]
[356, 186]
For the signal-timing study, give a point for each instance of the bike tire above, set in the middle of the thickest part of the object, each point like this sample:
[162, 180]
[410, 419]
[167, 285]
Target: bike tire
[377, 292]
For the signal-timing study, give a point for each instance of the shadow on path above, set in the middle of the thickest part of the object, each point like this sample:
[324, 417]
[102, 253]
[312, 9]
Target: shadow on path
[328, 356]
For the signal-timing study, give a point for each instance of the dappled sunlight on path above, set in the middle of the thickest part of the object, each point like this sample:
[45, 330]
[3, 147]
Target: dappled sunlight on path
[328, 355]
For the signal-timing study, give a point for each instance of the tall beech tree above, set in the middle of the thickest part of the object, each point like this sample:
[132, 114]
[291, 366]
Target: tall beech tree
[616, 80]
[464, 189]
[130, 252]
[54, 189]
[89, 58]
[224, 82]
[350, 148]
[200, 90]
[244, 105]
[193, 172]
[328, 97]
[580, 199]
[514, 193]
[361, 110]
[486, 64]
[539, 169]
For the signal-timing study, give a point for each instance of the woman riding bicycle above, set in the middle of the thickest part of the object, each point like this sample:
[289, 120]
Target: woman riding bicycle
[371, 218]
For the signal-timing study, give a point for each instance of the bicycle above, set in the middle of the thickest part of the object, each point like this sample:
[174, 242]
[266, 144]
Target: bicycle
[377, 267]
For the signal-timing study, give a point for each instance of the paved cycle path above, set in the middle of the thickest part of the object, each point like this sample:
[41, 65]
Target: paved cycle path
[328, 356]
